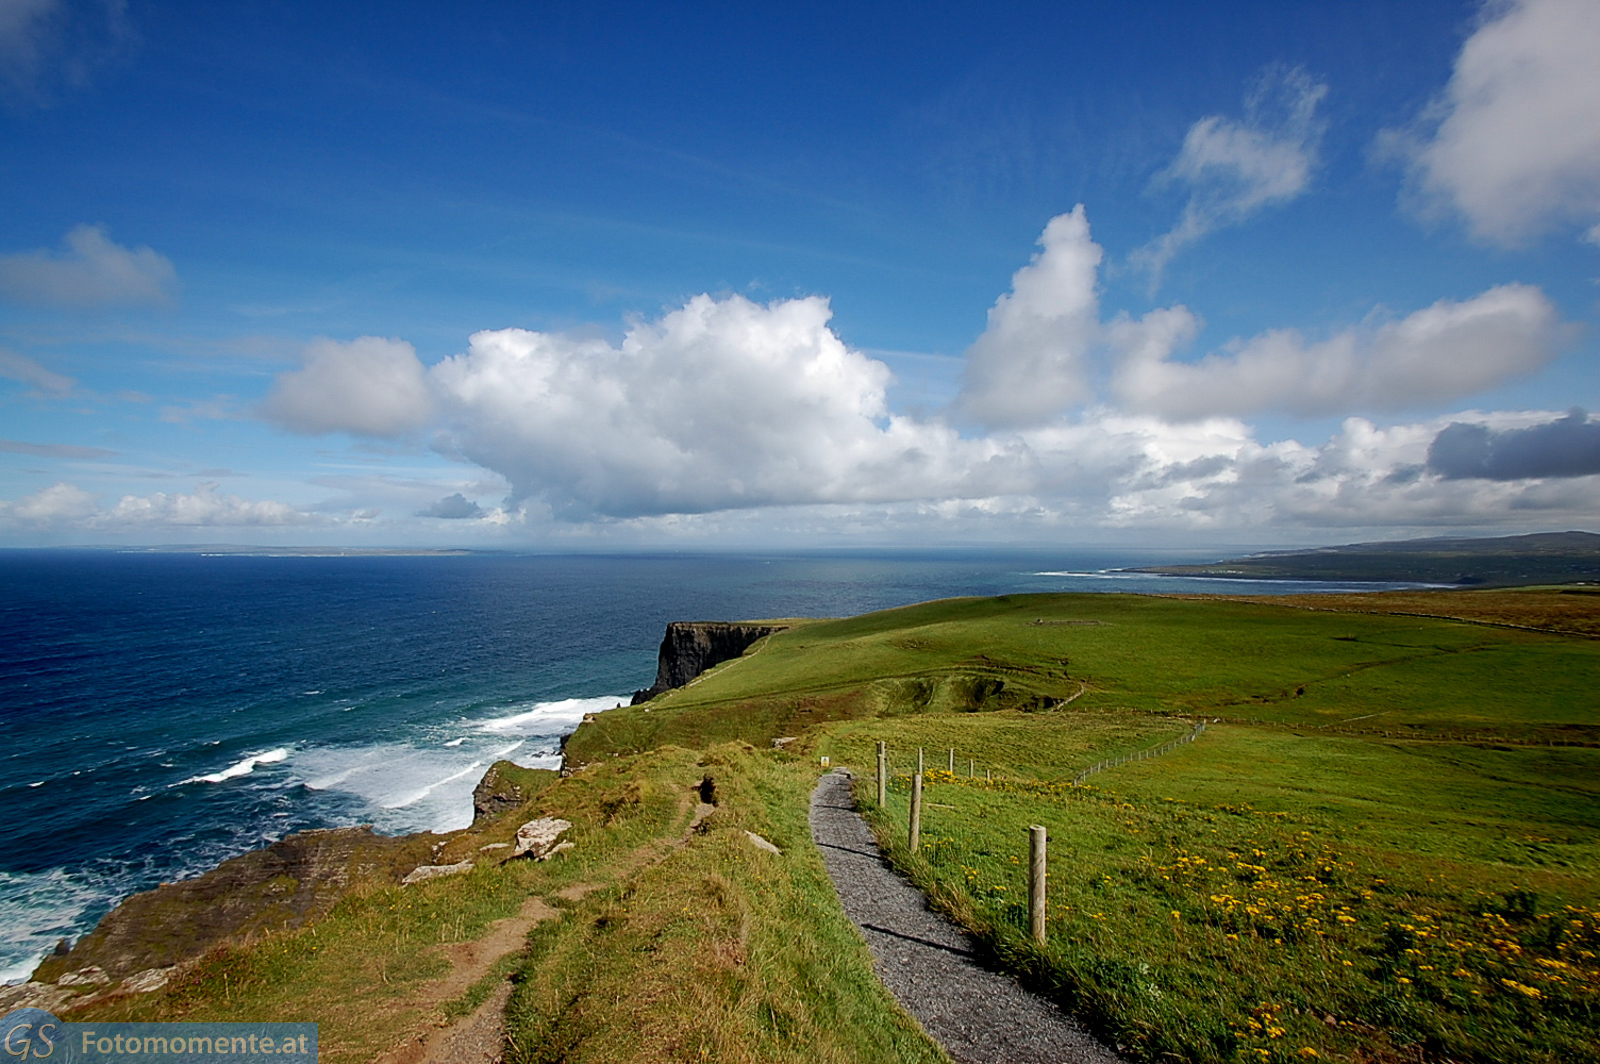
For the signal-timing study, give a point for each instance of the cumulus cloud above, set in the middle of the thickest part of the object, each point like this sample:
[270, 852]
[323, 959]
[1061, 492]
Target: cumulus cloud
[91, 270]
[1566, 447]
[370, 386]
[1031, 362]
[1441, 353]
[58, 504]
[724, 412]
[67, 506]
[455, 507]
[1512, 144]
[1236, 168]
[721, 404]
[20, 368]
[204, 507]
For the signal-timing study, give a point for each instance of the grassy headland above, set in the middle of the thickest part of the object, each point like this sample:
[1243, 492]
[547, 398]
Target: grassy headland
[1385, 845]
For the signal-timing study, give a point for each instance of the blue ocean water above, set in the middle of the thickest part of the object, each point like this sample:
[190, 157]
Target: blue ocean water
[165, 711]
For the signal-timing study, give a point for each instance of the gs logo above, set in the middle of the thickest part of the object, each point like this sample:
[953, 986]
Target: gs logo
[29, 1034]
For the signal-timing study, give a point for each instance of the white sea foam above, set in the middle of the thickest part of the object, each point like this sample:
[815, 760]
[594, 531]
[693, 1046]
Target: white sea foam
[549, 718]
[243, 768]
[36, 909]
[423, 781]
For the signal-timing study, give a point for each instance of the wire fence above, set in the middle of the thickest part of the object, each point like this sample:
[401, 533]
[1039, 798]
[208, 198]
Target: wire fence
[1141, 755]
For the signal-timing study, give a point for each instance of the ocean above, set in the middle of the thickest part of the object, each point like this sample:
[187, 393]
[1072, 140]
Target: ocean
[165, 711]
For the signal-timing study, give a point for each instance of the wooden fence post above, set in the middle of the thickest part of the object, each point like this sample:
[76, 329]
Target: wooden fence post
[969, 768]
[883, 774]
[916, 812]
[952, 761]
[1036, 882]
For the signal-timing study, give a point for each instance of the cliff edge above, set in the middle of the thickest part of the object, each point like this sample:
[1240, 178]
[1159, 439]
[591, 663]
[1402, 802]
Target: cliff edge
[691, 647]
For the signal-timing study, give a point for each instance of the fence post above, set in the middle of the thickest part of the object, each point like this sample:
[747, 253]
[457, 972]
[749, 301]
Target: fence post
[916, 812]
[1036, 882]
[952, 761]
[970, 773]
[883, 774]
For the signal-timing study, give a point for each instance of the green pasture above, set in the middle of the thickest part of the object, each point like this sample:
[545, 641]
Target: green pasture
[1345, 672]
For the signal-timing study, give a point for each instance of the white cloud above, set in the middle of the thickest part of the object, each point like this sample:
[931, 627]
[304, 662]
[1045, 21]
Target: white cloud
[1237, 168]
[728, 414]
[1516, 145]
[91, 271]
[205, 507]
[370, 386]
[1031, 362]
[1442, 353]
[721, 404]
[20, 368]
[58, 504]
[67, 507]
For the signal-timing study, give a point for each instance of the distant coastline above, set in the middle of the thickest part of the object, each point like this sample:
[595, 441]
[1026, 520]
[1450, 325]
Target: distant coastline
[1508, 561]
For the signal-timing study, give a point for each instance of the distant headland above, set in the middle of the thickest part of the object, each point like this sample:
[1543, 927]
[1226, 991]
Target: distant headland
[1506, 561]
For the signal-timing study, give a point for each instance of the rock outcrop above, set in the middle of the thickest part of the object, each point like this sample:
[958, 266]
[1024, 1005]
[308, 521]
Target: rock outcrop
[537, 838]
[289, 882]
[506, 786]
[692, 647]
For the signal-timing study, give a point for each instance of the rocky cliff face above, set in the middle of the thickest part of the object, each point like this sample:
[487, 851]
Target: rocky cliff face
[692, 647]
[289, 882]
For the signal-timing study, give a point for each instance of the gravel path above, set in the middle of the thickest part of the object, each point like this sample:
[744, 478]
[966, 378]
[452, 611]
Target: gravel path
[979, 1016]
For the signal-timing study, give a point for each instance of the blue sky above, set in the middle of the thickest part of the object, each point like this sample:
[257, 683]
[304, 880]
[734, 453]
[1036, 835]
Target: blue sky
[529, 275]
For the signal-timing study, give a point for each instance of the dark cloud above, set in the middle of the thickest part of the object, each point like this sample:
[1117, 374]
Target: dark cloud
[455, 507]
[1566, 447]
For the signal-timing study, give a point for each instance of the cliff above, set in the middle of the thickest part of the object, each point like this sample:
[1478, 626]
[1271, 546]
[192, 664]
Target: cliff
[294, 880]
[691, 647]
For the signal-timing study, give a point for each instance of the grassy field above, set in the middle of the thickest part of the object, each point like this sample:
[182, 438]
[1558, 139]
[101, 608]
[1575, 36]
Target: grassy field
[1383, 847]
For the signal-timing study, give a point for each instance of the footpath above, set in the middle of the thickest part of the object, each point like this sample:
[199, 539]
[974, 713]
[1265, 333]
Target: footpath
[978, 1015]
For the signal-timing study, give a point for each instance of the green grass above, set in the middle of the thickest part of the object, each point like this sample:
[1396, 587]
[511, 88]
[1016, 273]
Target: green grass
[1407, 804]
[720, 951]
[1349, 672]
[1228, 900]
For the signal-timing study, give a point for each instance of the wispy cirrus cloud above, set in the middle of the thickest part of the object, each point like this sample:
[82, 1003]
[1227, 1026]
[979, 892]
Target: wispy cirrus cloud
[50, 45]
[25, 370]
[1234, 168]
[54, 450]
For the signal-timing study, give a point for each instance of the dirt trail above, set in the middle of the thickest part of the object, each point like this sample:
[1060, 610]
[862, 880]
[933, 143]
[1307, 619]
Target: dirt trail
[476, 1037]
[479, 1038]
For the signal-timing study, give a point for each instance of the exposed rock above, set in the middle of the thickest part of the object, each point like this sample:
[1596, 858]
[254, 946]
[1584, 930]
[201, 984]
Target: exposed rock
[762, 844]
[537, 838]
[692, 647]
[284, 885]
[93, 975]
[507, 786]
[423, 873]
[151, 979]
[494, 846]
[34, 996]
